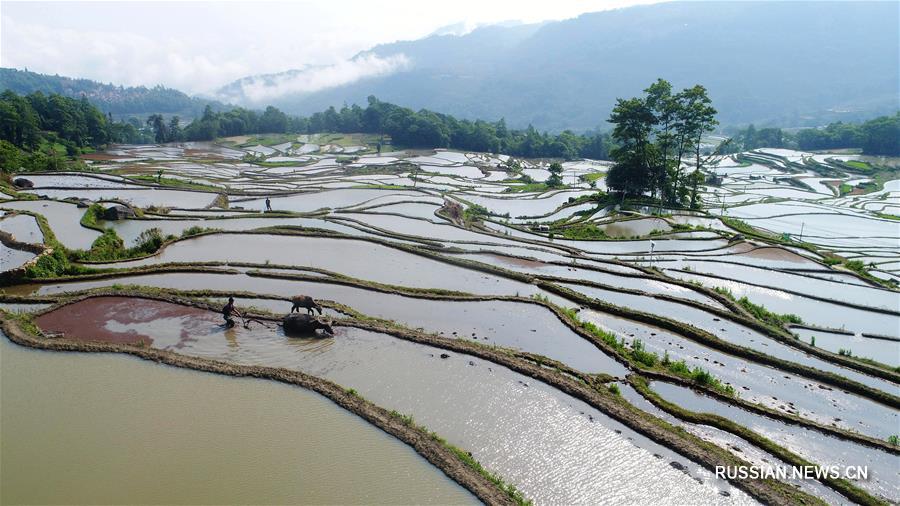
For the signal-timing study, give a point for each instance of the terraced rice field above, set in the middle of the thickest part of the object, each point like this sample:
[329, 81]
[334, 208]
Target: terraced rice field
[471, 326]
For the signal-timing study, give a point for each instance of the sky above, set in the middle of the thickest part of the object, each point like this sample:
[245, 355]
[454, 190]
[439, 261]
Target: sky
[199, 46]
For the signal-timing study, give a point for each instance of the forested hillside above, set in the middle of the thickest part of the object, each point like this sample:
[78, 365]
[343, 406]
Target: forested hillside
[38, 131]
[109, 98]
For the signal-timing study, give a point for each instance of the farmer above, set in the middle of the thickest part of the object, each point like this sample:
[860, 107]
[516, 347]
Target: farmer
[227, 311]
[268, 205]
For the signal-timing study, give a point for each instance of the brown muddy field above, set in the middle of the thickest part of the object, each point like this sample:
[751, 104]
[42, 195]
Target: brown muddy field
[127, 321]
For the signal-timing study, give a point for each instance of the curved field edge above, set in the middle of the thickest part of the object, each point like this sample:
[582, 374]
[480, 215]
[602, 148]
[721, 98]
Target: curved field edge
[841, 486]
[452, 461]
[570, 320]
[588, 388]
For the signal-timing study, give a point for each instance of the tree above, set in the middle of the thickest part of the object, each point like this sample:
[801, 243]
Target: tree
[160, 130]
[653, 134]
[633, 120]
[700, 118]
[174, 129]
[555, 179]
[664, 108]
[882, 136]
[273, 121]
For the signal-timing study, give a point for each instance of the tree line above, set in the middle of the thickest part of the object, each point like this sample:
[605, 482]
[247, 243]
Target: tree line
[655, 135]
[878, 136]
[38, 131]
[406, 128]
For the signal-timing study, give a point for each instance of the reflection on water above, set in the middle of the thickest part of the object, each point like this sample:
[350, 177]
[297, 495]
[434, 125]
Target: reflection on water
[555, 448]
[105, 429]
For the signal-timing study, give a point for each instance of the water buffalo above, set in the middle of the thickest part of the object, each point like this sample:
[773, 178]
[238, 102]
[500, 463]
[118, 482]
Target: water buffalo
[304, 325]
[21, 182]
[307, 302]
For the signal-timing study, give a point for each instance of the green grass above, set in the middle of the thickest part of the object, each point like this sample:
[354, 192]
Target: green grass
[858, 165]
[196, 230]
[474, 213]
[54, 265]
[856, 266]
[739, 225]
[109, 246]
[92, 216]
[593, 176]
[583, 230]
[176, 183]
[519, 187]
[759, 311]
[643, 359]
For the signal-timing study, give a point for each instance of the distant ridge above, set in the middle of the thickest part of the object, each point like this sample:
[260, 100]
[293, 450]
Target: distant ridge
[779, 63]
[109, 98]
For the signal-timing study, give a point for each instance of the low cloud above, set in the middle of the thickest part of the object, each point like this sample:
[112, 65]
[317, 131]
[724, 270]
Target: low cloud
[113, 56]
[265, 88]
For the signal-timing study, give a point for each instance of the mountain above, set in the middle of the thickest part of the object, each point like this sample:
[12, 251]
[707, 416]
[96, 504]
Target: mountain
[784, 63]
[121, 101]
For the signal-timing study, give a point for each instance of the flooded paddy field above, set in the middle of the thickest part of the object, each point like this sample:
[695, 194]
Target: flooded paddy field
[882, 466]
[208, 438]
[445, 245]
[408, 377]
[760, 384]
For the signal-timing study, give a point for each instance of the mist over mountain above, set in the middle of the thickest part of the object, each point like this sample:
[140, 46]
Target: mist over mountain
[784, 63]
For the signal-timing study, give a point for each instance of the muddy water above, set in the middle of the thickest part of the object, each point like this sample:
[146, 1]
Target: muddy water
[630, 228]
[360, 259]
[73, 424]
[758, 383]
[522, 326]
[819, 448]
[556, 449]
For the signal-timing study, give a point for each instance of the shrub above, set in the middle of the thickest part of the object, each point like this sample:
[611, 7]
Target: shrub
[641, 355]
[149, 241]
[195, 230]
[767, 316]
[856, 266]
[106, 247]
[584, 230]
[48, 266]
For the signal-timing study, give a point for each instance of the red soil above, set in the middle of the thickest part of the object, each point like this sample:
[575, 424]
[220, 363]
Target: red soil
[87, 319]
